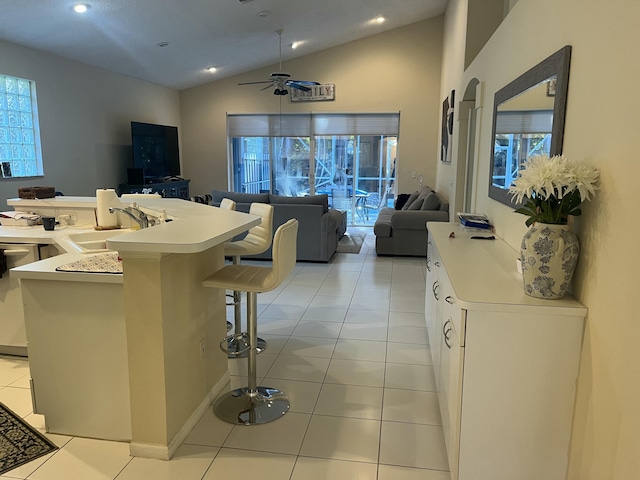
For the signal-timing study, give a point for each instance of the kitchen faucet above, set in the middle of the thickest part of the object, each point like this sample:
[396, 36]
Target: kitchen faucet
[140, 217]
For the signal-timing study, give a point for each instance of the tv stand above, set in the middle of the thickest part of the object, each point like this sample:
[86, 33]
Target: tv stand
[166, 188]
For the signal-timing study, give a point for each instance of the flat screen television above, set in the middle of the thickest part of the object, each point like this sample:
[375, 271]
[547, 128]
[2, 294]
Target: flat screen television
[155, 150]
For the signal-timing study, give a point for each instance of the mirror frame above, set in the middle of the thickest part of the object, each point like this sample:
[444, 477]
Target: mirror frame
[556, 64]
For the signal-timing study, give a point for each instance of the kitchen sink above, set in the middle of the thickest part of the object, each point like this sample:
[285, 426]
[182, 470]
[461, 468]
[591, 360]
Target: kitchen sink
[93, 242]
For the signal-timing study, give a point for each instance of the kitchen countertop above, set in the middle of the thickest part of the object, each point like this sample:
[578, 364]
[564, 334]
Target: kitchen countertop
[195, 228]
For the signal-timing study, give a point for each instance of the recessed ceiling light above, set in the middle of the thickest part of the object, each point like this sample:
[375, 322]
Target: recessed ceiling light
[295, 45]
[212, 69]
[162, 44]
[379, 19]
[80, 8]
[264, 14]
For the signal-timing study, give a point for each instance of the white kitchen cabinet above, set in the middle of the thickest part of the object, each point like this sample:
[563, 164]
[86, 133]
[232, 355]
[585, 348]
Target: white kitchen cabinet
[506, 364]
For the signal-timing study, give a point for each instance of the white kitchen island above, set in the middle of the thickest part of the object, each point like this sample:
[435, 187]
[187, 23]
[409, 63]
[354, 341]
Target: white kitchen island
[121, 357]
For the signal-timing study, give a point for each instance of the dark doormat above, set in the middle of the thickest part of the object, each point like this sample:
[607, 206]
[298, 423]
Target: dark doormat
[351, 243]
[19, 442]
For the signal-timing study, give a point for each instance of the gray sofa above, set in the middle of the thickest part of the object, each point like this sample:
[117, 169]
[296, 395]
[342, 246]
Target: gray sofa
[319, 227]
[404, 231]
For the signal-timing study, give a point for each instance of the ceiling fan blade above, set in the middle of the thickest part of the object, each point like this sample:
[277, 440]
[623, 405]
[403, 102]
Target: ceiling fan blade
[271, 84]
[303, 82]
[298, 87]
[254, 83]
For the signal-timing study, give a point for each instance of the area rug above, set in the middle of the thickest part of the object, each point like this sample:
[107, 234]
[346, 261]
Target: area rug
[351, 243]
[19, 442]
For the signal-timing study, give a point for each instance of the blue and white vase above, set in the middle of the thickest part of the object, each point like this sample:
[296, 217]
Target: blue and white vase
[549, 254]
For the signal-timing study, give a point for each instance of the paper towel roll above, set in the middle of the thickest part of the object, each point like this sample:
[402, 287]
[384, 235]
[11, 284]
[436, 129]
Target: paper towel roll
[105, 199]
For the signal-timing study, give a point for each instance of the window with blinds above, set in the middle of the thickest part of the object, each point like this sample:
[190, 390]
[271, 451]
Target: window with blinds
[312, 153]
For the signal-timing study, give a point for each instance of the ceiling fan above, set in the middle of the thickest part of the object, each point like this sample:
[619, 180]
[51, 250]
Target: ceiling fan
[282, 80]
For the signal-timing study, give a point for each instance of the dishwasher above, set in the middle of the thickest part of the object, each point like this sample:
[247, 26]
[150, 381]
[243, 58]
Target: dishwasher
[13, 339]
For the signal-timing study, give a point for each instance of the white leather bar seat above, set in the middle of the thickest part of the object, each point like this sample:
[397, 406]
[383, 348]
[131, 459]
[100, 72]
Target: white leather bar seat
[253, 405]
[257, 240]
[228, 204]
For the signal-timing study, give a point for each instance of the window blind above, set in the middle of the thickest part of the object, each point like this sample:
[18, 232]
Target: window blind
[268, 125]
[304, 125]
[525, 121]
[355, 123]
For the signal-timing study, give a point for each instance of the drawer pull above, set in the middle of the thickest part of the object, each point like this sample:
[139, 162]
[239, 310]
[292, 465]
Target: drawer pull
[434, 289]
[445, 332]
[449, 299]
[437, 264]
[16, 252]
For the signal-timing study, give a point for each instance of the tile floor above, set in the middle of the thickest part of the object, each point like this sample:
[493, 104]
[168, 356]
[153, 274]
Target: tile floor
[347, 343]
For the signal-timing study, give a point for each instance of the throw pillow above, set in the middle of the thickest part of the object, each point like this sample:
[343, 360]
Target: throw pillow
[416, 204]
[431, 202]
[425, 191]
[402, 199]
[410, 200]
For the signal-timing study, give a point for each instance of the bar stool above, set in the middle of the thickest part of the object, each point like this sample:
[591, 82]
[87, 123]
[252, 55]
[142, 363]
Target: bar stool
[229, 204]
[255, 405]
[257, 240]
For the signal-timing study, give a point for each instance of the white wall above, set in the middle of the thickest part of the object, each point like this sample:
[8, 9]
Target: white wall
[601, 129]
[85, 116]
[453, 57]
[394, 71]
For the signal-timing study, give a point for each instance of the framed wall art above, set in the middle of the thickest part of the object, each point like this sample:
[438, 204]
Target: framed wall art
[447, 127]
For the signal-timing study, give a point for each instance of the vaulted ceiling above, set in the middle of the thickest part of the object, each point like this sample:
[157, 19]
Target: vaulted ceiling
[173, 42]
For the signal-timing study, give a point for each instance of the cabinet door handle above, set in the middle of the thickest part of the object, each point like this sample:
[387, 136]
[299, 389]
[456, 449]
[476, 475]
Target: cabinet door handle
[437, 264]
[434, 289]
[445, 332]
[449, 299]
[15, 252]
[428, 261]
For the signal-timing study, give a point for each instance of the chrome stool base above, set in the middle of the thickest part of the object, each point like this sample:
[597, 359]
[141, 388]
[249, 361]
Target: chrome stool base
[238, 346]
[240, 407]
[229, 325]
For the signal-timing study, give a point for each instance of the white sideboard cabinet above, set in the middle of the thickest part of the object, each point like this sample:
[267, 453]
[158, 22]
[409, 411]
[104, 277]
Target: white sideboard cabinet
[505, 364]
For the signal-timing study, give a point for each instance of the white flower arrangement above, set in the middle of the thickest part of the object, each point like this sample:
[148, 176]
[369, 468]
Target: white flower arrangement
[553, 187]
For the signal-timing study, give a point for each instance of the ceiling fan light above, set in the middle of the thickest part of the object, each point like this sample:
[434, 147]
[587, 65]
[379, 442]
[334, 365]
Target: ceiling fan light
[284, 92]
[276, 91]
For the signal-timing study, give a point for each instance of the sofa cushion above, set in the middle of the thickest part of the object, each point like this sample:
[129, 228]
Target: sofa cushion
[416, 204]
[431, 202]
[308, 200]
[410, 200]
[425, 191]
[218, 195]
[382, 227]
[335, 220]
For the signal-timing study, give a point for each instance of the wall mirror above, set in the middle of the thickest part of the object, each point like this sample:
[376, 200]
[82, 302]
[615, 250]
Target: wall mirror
[528, 120]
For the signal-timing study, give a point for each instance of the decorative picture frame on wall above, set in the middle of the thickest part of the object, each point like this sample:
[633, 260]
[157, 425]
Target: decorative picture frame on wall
[447, 127]
[325, 92]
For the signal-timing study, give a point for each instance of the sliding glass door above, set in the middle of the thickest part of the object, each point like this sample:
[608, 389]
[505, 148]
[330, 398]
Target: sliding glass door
[355, 170]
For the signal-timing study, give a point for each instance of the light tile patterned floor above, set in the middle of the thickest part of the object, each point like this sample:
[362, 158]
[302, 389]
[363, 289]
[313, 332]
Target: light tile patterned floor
[347, 343]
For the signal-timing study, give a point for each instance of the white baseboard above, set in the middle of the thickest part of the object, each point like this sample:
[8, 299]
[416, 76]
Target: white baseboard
[165, 452]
